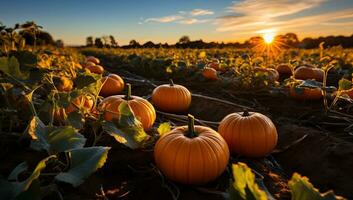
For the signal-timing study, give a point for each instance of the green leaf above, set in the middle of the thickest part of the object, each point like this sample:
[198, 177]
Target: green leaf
[85, 79]
[310, 84]
[164, 128]
[127, 130]
[54, 140]
[344, 84]
[11, 190]
[83, 162]
[17, 171]
[76, 120]
[11, 67]
[244, 185]
[302, 189]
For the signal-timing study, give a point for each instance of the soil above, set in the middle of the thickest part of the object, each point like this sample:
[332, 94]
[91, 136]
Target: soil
[324, 153]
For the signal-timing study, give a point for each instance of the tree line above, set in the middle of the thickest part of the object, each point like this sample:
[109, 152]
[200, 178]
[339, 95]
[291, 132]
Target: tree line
[289, 40]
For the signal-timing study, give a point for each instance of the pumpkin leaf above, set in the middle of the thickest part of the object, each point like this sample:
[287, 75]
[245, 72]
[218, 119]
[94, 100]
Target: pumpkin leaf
[17, 171]
[11, 190]
[76, 119]
[164, 128]
[85, 79]
[344, 84]
[11, 66]
[127, 130]
[244, 185]
[83, 162]
[53, 140]
[302, 189]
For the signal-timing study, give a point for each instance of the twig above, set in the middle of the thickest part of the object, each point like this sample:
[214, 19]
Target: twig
[183, 118]
[290, 145]
[221, 101]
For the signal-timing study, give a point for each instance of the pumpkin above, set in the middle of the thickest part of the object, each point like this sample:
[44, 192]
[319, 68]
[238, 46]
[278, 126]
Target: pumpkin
[209, 74]
[85, 102]
[97, 69]
[191, 154]
[112, 84]
[215, 64]
[249, 134]
[143, 110]
[305, 72]
[271, 72]
[171, 97]
[87, 64]
[63, 84]
[284, 69]
[305, 93]
[92, 59]
[82, 101]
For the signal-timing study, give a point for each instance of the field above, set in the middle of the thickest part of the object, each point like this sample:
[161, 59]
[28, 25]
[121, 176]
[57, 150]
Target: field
[64, 136]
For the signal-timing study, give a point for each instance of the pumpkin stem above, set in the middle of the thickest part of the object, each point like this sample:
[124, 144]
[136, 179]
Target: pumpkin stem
[191, 127]
[246, 113]
[128, 92]
[171, 83]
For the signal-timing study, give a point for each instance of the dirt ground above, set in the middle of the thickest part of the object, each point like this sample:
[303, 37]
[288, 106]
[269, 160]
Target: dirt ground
[307, 144]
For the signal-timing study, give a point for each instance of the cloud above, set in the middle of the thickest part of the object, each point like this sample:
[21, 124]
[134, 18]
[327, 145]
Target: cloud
[254, 16]
[183, 17]
[166, 19]
[200, 12]
[193, 21]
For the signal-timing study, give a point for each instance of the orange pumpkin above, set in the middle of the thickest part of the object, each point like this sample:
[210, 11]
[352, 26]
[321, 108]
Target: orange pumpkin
[171, 97]
[305, 72]
[210, 74]
[271, 72]
[92, 59]
[249, 134]
[64, 85]
[305, 93]
[191, 154]
[143, 110]
[97, 69]
[284, 69]
[85, 102]
[112, 84]
[87, 64]
[215, 64]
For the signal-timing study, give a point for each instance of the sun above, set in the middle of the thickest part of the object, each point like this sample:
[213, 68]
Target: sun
[268, 37]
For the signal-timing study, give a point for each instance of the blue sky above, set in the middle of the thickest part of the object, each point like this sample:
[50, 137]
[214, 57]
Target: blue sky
[167, 21]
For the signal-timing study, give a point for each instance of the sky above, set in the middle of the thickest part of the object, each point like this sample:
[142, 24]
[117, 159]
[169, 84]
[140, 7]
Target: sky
[168, 20]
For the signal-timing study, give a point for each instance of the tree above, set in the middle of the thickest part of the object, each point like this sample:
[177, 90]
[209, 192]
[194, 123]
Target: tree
[59, 43]
[184, 39]
[113, 42]
[149, 44]
[291, 39]
[89, 41]
[106, 40]
[98, 43]
[134, 44]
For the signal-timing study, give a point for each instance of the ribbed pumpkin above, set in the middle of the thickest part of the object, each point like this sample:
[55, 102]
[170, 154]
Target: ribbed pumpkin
[92, 59]
[210, 74]
[171, 98]
[142, 109]
[86, 64]
[284, 69]
[305, 73]
[83, 101]
[112, 85]
[271, 72]
[97, 69]
[215, 64]
[63, 83]
[305, 93]
[249, 134]
[191, 154]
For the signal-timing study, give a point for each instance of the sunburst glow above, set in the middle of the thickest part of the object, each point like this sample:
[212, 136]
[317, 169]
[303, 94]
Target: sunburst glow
[269, 37]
